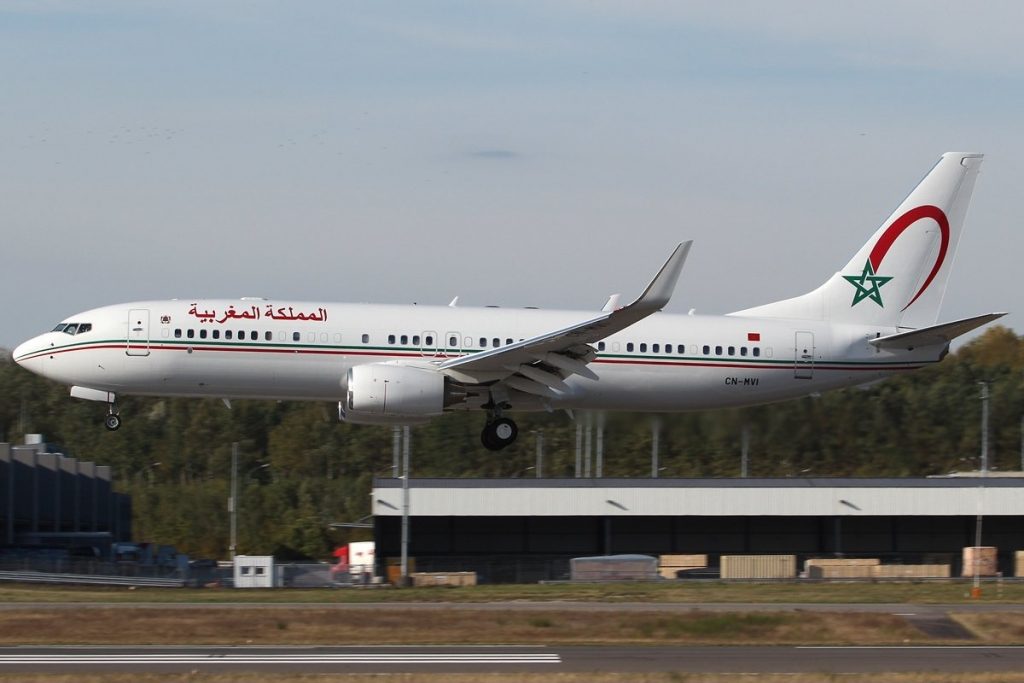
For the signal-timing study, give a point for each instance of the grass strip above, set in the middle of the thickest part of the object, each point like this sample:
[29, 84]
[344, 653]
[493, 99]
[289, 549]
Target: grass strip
[683, 592]
[259, 626]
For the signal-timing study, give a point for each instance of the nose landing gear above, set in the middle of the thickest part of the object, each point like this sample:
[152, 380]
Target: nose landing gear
[112, 421]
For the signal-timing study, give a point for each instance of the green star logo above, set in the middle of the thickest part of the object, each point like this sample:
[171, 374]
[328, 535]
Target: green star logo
[868, 285]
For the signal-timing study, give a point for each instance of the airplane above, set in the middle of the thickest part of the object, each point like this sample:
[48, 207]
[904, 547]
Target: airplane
[399, 364]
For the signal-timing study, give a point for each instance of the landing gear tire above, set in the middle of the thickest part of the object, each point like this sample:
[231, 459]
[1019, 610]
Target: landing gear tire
[498, 434]
[112, 422]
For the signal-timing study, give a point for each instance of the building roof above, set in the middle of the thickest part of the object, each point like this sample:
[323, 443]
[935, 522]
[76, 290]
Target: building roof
[810, 496]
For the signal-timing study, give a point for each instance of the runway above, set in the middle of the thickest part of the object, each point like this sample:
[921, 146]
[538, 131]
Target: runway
[498, 658]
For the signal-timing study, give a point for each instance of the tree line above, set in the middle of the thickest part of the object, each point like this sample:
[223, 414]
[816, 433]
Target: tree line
[300, 469]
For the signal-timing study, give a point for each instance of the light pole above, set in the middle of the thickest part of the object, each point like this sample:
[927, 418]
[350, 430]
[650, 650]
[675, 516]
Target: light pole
[232, 506]
[233, 499]
[976, 590]
[655, 438]
[405, 506]
[540, 453]
[147, 471]
[744, 450]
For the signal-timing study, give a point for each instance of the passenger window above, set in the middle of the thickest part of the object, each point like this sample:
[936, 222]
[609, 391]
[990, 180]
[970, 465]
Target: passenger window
[241, 335]
[366, 339]
[269, 336]
[429, 340]
[84, 327]
[483, 343]
[495, 342]
[507, 342]
[202, 334]
[337, 337]
[629, 347]
[177, 333]
[706, 350]
[668, 348]
[655, 348]
[732, 350]
[311, 337]
[297, 337]
[743, 350]
[216, 334]
[643, 347]
[254, 335]
[718, 350]
[600, 346]
[191, 334]
[323, 337]
[405, 339]
[415, 340]
[391, 339]
[756, 351]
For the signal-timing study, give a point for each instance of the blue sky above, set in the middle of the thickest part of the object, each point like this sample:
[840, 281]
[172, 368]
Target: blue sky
[530, 153]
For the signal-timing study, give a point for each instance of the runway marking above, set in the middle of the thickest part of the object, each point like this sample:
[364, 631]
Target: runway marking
[251, 658]
[910, 647]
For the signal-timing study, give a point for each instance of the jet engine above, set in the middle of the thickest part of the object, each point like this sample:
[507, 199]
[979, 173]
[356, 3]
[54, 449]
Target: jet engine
[386, 393]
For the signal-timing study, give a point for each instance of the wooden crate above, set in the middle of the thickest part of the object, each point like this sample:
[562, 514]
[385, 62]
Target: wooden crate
[443, 578]
[758, 566]
[911, 571]
[683, 561]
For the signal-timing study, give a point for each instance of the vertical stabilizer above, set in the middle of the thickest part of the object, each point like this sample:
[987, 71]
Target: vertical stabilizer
[899, 277]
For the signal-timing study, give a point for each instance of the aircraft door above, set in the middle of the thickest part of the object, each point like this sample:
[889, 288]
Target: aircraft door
[138, 332]
[429, 343]
[451, 344]
[804, 355]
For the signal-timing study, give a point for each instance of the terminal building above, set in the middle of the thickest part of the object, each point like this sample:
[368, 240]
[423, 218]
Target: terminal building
[522, 530]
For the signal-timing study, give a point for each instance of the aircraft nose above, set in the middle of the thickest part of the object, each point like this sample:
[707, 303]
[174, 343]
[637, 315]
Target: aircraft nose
[22, 351]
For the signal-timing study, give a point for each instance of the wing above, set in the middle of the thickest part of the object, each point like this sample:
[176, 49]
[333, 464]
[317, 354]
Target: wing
[539, 364]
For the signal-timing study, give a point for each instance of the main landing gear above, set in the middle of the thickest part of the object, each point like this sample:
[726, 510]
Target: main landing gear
[498, 433]
[112, 421]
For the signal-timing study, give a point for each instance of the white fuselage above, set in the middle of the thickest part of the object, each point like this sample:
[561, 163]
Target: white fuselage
[255, 348]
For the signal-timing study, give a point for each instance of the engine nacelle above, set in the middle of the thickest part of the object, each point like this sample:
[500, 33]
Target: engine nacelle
[382, 393]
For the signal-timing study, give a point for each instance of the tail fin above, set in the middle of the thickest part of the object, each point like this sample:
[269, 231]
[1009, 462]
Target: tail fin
[899, 277]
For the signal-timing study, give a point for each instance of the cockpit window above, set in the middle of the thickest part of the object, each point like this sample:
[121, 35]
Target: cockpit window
[73, 328]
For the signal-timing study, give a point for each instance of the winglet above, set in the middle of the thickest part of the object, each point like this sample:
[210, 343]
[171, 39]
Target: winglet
[659, 291]
[613, 303]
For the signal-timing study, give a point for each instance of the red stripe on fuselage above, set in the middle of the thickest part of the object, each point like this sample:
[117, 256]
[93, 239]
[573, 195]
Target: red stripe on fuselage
[391, 354]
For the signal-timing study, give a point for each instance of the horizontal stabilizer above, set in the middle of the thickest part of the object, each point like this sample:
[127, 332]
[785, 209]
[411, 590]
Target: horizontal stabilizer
[936, 334]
